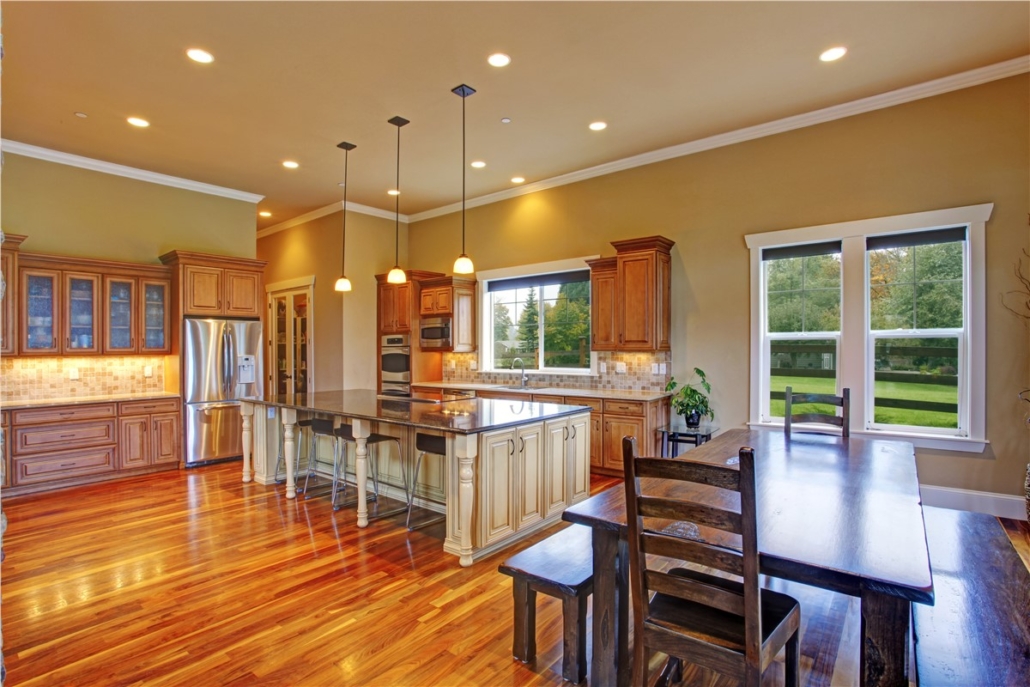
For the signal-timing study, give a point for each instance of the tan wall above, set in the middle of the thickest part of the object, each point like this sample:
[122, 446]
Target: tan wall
[961, 148]
[72, 211]
[313, 248]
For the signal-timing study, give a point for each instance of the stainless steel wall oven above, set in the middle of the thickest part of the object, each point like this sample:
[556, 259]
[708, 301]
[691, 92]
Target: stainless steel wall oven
[395, 365]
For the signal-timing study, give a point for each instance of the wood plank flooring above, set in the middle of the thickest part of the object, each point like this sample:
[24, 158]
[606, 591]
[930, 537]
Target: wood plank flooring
[193, 577]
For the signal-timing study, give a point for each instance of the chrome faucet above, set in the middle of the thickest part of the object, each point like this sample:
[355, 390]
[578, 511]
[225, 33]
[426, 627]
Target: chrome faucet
[523, 365]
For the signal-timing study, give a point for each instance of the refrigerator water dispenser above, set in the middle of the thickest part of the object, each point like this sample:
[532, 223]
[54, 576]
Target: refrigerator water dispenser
[245, 369]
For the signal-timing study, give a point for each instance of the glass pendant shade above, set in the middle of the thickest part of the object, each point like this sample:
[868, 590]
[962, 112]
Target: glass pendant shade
[343, 284]
[463, 265]
[396, 276]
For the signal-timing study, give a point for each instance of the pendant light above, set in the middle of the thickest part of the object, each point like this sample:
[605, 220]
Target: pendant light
[463, 265]
[343, 283]
[396, 275]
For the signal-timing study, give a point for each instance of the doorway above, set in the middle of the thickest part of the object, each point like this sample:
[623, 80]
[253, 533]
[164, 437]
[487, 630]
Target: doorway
[291, 340]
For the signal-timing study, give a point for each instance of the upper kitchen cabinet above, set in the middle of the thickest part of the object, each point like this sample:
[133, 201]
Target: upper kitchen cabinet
[453, 297]
[81, 313]
[630, 306]
[397, 302]
[215, 285]
[40, 312]
[9, 293]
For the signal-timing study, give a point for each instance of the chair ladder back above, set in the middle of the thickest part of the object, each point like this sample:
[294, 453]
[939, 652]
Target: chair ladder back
[843, 401]
[711, 556]
[749, 551]
[674, 509]
[696, 591]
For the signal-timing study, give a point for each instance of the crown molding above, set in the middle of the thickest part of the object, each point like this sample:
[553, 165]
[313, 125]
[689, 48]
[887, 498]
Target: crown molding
[955, 82]
[16, 148]
[328, 210]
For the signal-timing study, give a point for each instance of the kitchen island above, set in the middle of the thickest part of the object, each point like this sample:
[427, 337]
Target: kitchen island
[512, 466]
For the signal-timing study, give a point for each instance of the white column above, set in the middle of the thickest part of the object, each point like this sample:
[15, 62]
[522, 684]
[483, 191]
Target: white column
[289, 417]
[361, 432]
[247, 411]
[465, 447]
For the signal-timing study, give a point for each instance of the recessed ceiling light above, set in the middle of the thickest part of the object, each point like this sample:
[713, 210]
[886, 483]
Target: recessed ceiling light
[518, 180]
[202, 56]
[598, 126]
[833, 54]
[81, 115]
[505, 120]
[394, 192]
[265, 213]
[290, 164]
[499, 59]
[478, 164]
[341, 184]
[137, 121]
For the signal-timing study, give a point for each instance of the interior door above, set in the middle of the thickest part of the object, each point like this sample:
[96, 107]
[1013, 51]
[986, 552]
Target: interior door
[291, 353]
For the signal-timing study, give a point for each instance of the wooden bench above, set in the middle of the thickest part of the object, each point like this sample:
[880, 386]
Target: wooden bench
[559, 566]
[978, 630]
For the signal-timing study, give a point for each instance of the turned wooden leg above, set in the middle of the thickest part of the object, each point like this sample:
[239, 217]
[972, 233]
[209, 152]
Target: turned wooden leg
[465, 449]
[289, 419]
[524, 644]
[361, 432]
[247, 411]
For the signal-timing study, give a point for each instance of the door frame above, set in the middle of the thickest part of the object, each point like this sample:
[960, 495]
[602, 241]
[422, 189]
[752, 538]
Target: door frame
[291, 287]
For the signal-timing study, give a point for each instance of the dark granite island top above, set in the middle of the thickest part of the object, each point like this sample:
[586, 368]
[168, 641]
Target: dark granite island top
[424, 411]
[515, 465]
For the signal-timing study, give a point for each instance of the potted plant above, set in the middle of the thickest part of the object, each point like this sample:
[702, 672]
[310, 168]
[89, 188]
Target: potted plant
[690, 401]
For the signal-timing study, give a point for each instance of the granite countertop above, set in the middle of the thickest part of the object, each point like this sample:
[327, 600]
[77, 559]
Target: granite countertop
[81, 400]
[466, 416]
[614, 394]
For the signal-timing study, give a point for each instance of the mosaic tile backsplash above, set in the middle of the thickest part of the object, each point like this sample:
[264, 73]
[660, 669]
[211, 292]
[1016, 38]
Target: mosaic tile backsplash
[638, 376]
[27, 379]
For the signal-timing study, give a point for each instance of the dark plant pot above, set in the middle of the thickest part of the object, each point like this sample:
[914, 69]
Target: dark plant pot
[693, 419]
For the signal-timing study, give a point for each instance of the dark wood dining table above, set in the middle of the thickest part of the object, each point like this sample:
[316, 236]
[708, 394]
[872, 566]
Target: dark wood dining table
[841, 514]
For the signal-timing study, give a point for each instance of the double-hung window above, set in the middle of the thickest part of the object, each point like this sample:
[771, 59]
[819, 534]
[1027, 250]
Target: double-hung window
[541, 318]
[891, 308]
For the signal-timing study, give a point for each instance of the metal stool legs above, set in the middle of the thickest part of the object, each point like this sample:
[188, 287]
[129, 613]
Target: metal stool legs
[345, 435]
[424, 443]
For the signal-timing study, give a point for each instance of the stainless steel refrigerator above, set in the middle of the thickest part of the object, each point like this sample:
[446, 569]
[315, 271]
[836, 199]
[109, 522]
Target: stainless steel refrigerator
[223, 363]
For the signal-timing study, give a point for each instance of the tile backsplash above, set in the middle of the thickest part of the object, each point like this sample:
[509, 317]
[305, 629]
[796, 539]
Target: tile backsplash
[26, 379]
[638, 375]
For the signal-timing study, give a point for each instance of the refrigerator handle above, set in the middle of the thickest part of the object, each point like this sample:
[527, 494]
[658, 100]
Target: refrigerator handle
[233, 362]
[225, 362]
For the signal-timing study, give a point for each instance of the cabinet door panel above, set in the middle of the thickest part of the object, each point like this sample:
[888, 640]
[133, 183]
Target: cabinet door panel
[164, 436]
[596, 440]
[427, 302]
[387, 309]
[241, 293]
[154, 316]
[133, 442]
[7, 327]
[603, 303]
[529, 455]
[40, 308]
[615, 428]
[556, 434]
[463, 326]
[580, 441]
[81, 314]
[636, 311]
[403, 308]
[202, 290]
[497, 486]
[119, 315]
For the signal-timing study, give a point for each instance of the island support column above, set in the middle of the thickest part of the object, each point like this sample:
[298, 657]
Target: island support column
[465, 447]
[289, 419]
[361, 432]
[247, 411]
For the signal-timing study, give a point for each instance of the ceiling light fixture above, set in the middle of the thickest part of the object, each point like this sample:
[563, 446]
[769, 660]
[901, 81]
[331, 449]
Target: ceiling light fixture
[833, 54]
[505, 120]
[198, 55]
[138, 121]
[343, 283]
[290, 164]
[265, 213]
[396, 275]
[498, 59]
[463, 265]
[393, 192]
[478, 164]
[81, 115]
[598, 126]
[518, 180]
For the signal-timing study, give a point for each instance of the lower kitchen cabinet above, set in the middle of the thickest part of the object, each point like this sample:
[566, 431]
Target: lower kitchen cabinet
[110, 440]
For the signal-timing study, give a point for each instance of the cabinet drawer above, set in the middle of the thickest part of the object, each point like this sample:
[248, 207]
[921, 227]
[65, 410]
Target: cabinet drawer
[160, 405]
[36, 416]
[44, 438]
[624, 407]
[547, 398]
[55, 466]
[593, 403]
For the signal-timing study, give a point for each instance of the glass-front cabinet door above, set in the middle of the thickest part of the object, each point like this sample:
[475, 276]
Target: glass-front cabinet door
[290, 348]
[81, 313]
[40, 322]
[120, 326]
[154, 316]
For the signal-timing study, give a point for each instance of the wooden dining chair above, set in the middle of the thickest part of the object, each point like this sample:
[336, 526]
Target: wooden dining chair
[730, 626]
[843, 401]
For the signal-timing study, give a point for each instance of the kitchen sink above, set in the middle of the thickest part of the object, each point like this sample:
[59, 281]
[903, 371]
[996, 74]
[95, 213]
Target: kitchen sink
[527, 389]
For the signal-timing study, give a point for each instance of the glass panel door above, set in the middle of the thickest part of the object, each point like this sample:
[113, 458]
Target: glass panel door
[283, 379]
[40, 289]
[81, 313]
[155, 316]
[120, 335]
[290, 346]
[300, 342]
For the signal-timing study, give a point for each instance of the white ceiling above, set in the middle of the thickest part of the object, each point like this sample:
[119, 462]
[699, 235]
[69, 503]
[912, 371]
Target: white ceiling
[291, 80]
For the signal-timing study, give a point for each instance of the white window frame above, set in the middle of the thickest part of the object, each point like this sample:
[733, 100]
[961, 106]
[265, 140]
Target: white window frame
[486, 319]
[855, 359]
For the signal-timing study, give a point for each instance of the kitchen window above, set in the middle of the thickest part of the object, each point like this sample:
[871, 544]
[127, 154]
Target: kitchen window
[537, 315]
[892, 308]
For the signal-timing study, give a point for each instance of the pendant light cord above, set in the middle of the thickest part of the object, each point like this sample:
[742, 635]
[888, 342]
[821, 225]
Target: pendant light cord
[343, 250]
[397, 206]
[463, 172]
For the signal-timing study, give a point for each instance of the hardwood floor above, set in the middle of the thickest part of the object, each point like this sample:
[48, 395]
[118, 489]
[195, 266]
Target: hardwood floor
[193, 577]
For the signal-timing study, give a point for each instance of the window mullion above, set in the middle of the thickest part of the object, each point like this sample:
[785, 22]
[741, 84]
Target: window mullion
[851, 365]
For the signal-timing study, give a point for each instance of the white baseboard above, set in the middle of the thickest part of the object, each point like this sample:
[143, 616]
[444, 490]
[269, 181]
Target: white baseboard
[1000, 505]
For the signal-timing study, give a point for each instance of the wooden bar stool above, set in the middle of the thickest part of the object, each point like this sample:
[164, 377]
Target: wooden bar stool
[343, 435]
[434, 445]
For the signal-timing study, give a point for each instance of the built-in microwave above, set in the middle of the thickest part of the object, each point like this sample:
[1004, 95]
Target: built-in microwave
[435, 332]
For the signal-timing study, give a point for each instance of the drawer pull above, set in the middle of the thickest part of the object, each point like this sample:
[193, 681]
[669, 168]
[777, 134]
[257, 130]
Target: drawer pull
[67, 465]
[149, 407]
[67, 436]
[70, 412]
